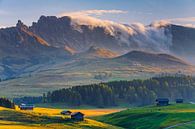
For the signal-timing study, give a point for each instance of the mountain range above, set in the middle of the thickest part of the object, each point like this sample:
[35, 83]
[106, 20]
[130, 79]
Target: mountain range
[70, 51]
[80, 35]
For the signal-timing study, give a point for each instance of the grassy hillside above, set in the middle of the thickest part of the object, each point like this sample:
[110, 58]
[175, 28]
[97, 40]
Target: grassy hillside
[152, 117]
[42, 118]
[81, 72]
[87, 112]
[54, 79]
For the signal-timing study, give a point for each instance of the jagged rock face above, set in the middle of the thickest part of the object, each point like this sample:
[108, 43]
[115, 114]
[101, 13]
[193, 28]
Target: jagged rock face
[20, 48]
[20, 40]
[183, 40]
[66, 33]
[60, 33]
[53, 39]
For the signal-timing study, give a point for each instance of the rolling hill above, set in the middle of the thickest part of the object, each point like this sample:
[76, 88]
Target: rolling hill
[152, 59]
[152, 117]
[81, 71]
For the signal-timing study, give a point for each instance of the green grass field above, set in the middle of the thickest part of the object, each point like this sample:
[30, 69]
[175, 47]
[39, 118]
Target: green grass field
[152, 117]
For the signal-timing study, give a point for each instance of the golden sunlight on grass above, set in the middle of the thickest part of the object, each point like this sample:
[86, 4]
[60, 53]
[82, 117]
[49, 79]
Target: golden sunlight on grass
[87, 112]
[12, 126]
[44, 118]
[97, 112]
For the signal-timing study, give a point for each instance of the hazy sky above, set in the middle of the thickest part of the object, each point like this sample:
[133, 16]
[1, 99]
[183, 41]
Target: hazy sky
[123, 11]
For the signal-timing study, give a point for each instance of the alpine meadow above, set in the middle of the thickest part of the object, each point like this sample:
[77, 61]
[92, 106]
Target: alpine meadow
[82, 64]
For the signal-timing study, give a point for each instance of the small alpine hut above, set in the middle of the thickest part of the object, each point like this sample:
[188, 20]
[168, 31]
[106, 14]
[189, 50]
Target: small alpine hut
[179, 100]
[162, 102]
[26, 107]
[77, 116]
[65, 112]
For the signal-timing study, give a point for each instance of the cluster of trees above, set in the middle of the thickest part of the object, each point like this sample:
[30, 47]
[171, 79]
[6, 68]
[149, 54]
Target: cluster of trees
[97, 94]
[144, 92]
[6, 103]
[136, 92]
[28, 100]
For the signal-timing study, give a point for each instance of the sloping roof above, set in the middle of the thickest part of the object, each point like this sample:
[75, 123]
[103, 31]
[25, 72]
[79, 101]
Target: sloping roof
[66, 111]
[27, 105]
[162, 99]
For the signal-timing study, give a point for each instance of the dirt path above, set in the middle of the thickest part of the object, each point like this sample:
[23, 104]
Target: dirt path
[180, 124]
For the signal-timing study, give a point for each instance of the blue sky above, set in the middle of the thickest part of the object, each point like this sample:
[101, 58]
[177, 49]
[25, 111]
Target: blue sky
[144, 11]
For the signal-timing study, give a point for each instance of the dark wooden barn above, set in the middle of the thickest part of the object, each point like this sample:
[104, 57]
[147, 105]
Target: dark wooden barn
[179, 100]
[162, 102]
[77, 116]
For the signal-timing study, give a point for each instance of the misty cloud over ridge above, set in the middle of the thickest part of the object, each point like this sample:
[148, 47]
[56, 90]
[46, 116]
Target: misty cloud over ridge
[135, 36]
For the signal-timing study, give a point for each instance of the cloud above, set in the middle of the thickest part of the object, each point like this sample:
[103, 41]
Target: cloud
[2, 26]
[92, 13]
[88, 17]
[139, 26]
[183, 19]
[134, 36]
[160, 23]
[189, 25]
[110, 26]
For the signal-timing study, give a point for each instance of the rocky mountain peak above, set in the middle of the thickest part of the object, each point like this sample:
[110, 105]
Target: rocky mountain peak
[21, 25]
[47, 18]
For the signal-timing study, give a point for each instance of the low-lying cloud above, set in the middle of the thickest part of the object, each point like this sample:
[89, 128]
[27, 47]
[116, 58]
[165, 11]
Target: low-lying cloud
[88, 17]
[189, 25]
[184, 21]
[2, 26]
[134, 36]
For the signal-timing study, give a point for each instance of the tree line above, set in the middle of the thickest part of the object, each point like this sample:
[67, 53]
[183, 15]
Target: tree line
[135, 92]
[28, 100]
[6, 103]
